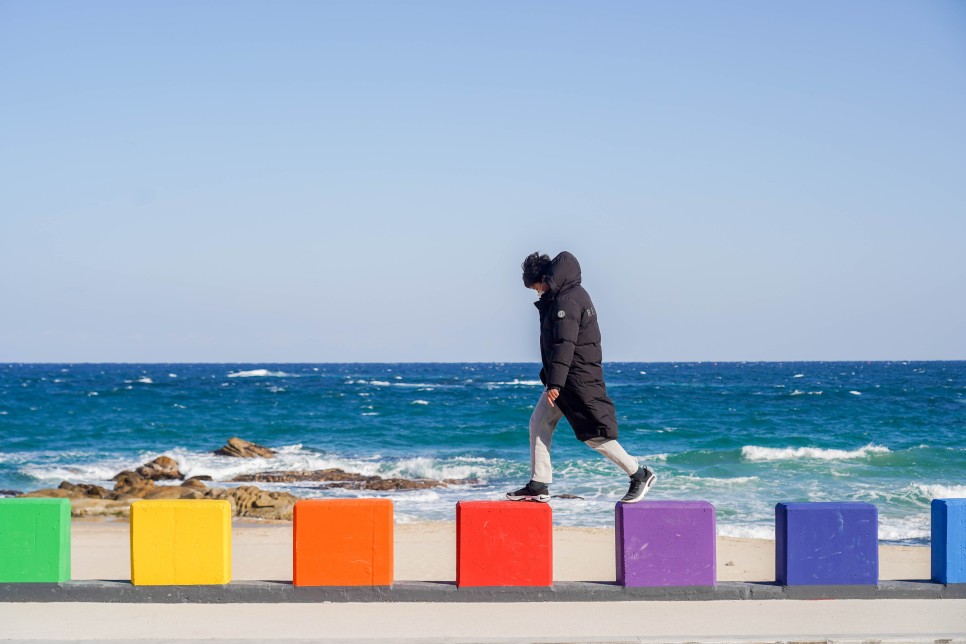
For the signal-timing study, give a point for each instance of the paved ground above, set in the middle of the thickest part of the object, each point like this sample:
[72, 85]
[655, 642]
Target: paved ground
[851, 620]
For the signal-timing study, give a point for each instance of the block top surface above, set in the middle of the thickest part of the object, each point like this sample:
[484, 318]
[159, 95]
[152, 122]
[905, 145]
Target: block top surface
[342, 502]
[20, 501]
[824, 506]
[959, 503]
[665, 505]
[179, 504]
[501, 505]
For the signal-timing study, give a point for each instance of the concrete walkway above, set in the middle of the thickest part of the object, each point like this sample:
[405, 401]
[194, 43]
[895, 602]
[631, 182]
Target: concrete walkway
[846, 620]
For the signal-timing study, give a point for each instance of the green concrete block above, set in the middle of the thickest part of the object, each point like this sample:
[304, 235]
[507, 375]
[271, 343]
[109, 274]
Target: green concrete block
[34, 540]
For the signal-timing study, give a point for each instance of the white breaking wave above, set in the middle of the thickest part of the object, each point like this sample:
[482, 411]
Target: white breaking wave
[518, 383]
[294, 457]
[747, 531]
[799, 375]
[896, 529]
[145, 380]
[423, 467]
[856, 393]
[379, 383]
[420, 402]
[755, 453]
[261, 373]
[939, 491]
[738, 480]
[798, 392]
[100, 472]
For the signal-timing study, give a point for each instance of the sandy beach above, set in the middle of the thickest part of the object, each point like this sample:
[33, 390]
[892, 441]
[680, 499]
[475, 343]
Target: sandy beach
[426, 552]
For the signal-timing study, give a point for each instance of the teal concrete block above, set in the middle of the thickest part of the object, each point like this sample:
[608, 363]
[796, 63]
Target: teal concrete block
[949, 541]
[34, 540]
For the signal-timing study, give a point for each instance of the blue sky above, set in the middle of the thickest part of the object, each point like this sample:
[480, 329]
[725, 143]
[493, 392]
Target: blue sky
[359, 181]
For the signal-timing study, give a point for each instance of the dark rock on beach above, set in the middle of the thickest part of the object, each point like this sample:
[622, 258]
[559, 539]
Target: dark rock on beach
[163, 468]
[250, 501]
[296, 476]
[337, 478]
[10, 493]
[196, 482]
[84, 490]
[131, 484]
[244, 449]
[384, 485]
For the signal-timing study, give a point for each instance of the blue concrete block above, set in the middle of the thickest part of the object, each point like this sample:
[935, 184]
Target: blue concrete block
[949, 541]
[819, 544]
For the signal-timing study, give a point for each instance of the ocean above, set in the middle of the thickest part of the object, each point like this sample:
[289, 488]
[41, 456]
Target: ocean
[743, 436]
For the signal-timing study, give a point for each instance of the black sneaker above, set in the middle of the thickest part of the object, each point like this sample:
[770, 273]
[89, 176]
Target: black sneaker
[532, 491]
[641, 482]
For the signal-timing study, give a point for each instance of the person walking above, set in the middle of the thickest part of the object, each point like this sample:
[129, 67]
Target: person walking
[573, 377]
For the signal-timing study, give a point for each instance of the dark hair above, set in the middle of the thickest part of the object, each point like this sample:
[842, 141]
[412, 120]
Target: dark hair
[534, 268]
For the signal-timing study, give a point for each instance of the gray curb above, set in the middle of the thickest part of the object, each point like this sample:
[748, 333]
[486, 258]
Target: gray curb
[281, 592]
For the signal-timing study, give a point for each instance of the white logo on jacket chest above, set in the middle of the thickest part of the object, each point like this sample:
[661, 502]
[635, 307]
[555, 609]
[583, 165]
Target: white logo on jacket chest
[561, 314]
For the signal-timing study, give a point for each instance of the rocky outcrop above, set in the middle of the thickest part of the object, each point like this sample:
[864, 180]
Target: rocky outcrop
[10, 493]
[163, 468]
[250, 501]
[132, 485]
[173, 492]
[89, 507]
[49, 493]
[246, 500]
[385, 485]
[244, 449]
[336, 478]
[84, 491]
[297, 476]
[197, 482]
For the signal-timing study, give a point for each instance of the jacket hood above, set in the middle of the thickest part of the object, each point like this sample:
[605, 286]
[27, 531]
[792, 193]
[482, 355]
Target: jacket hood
[564, 272]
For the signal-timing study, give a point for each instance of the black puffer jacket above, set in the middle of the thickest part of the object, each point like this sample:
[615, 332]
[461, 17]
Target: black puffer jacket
[570, 350]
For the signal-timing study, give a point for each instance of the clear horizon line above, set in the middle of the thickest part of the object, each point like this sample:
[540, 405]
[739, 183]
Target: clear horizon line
[430, 362]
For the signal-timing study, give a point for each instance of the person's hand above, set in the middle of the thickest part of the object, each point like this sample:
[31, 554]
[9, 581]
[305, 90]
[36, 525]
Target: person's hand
[552, 395]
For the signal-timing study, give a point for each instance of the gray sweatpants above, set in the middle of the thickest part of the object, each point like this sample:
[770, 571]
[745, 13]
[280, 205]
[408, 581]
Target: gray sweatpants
[542, 424]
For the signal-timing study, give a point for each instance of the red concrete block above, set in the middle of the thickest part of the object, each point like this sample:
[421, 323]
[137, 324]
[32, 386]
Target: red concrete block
[343, 542]
[504, 543]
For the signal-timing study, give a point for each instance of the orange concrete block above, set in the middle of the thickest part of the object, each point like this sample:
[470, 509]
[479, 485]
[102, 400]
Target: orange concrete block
[343, 542]
[504, 543]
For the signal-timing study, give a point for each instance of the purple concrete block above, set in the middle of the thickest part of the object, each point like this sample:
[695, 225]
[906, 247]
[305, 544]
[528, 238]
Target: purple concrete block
[665, 543]
[826, 544]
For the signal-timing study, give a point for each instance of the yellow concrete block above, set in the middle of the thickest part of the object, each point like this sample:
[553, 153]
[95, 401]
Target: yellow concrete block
[180, 542]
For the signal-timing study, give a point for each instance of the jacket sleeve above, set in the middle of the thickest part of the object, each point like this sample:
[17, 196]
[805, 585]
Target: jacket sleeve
[566, 325]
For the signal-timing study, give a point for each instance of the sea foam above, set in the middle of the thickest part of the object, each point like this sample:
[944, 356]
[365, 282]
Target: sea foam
[517, 383]
[261, 373]
[938, 491]
[743, 531]
[758, 454]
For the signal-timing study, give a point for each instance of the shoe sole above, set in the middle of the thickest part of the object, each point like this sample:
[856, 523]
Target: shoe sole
[647, 486]
[540, 498]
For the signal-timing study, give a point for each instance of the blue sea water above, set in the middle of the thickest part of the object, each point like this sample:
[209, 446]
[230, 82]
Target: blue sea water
[741, 435]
